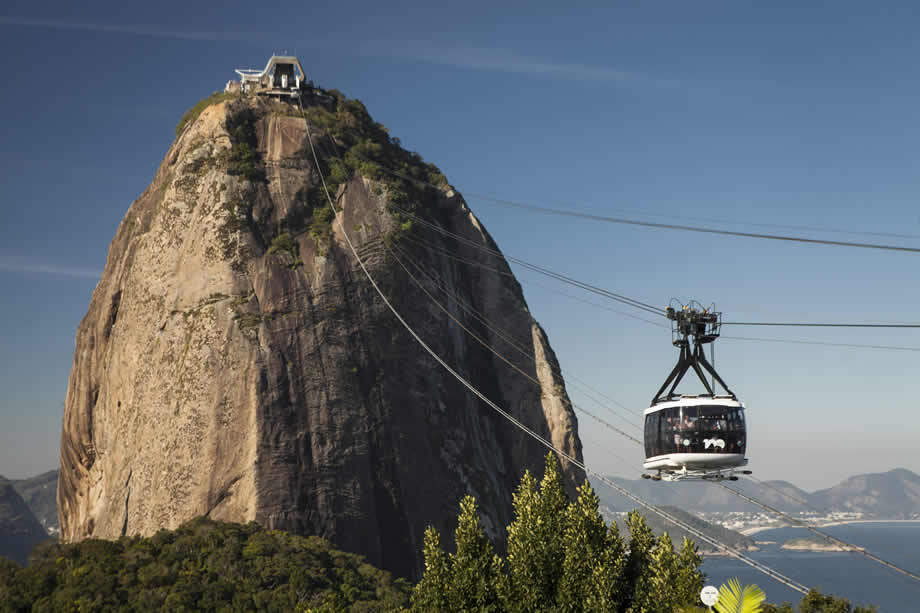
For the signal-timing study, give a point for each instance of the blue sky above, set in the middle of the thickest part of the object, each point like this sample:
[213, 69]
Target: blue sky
[739, 112]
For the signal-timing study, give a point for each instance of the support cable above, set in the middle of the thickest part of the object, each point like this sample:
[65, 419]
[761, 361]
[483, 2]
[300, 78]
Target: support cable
[548, 210]
[468, 262]
[816, 325]
[668, 226]
[549, 445]
[639, 304]
[753, 563]
[545, 271]
[422, 242]
[485, 344]
[519, 346]
[826, 344]
[804, 503]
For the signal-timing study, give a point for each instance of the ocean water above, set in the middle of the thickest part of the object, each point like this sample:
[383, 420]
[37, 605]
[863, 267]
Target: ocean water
[850, 575]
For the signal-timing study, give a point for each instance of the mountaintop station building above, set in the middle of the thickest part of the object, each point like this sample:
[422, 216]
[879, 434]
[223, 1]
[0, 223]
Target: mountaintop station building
[282, 76]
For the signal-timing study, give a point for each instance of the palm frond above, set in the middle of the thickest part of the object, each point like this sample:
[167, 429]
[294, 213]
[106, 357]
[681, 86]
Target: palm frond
[734, 599]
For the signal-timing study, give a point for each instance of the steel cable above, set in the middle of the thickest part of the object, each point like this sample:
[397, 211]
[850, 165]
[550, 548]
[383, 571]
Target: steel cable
[738, 555]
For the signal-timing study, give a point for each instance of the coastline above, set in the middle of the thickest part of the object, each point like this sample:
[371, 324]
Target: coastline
[869, 521]
[843, 522]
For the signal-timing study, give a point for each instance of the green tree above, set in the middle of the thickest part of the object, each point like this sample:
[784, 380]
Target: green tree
[772, 608]
[523, 545]
[689, 578]
[561, 556]
[430, 593]
[661, 593]
[638, 564]
[607, 589]
[816, 602]
[585, 541]
[473, 567]
[536, 541]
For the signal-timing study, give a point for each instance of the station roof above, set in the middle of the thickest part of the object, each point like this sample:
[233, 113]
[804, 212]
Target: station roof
[252, 74]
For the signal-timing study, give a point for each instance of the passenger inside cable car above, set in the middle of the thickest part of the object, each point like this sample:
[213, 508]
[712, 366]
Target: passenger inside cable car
[695, 429]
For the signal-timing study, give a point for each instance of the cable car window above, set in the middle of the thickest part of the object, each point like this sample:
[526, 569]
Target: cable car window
[721, 429]
[695, 429]
[652, 448]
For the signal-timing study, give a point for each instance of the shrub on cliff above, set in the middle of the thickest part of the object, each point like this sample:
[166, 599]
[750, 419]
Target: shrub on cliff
[192, 114]
[202, 566]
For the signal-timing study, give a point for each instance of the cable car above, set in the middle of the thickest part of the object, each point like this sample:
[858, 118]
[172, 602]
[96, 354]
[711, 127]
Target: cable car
[694, 436]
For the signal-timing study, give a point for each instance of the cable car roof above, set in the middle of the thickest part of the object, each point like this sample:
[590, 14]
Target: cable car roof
[694, 401]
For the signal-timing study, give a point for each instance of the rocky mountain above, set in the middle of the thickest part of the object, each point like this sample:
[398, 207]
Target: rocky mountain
[40, 493]
[891, 495]
[236, 363]
[20, 531]
[894, 494]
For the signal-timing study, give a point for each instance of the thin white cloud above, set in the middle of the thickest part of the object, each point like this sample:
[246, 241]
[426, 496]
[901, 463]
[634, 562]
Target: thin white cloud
[142, 30]
[446, 54]
[481, 59]
[501, 60]
[21, 265]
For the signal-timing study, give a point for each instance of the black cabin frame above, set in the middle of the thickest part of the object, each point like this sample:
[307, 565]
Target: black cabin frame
[692, 328]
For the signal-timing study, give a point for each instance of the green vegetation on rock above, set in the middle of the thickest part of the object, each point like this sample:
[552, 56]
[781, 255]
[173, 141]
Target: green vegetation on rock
[202, 566]
[285, 243]
[192, 114]
[244, 159]
[350, 142]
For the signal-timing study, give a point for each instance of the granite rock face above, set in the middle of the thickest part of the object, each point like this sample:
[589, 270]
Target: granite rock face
[235, 362]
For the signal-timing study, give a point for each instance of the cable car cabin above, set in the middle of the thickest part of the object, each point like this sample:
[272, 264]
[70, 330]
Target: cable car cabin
[695, 437]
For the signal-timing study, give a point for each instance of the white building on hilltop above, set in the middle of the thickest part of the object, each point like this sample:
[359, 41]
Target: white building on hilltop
[282, 76]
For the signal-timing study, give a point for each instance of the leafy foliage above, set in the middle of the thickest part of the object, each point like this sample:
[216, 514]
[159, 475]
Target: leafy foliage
[202, 566]
[561, 557]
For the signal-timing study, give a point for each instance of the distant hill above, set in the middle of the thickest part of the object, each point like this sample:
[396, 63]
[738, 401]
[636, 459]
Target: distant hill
[891, 495]
[20, 531]
[40, 493]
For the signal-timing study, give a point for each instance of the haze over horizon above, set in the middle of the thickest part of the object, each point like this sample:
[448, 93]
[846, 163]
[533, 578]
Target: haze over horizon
[719, 114]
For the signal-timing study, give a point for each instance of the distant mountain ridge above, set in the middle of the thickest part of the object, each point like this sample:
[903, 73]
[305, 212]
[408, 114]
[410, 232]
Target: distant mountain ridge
[40, 493]
[890, 495]
[20, 531]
